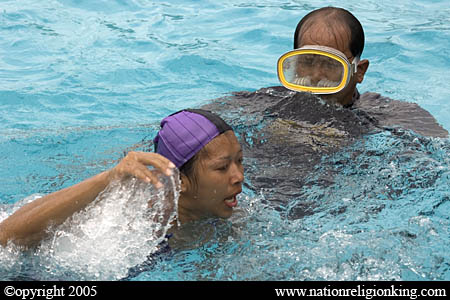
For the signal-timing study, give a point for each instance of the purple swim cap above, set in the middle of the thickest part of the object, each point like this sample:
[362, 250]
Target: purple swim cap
[186, 132]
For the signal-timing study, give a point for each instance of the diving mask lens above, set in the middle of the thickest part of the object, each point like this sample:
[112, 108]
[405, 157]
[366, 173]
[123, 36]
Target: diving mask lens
[314, 70]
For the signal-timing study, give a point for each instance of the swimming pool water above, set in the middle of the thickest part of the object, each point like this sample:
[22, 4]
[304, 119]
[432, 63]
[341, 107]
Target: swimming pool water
[81, 82]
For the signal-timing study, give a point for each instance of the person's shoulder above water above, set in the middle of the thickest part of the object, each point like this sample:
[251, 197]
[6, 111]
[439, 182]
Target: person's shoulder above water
[395, 113]
[380, 111]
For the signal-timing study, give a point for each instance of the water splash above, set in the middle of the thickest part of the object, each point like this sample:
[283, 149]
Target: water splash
[125, 224]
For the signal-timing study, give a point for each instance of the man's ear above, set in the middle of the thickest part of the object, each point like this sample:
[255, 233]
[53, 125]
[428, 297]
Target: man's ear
[363, 65]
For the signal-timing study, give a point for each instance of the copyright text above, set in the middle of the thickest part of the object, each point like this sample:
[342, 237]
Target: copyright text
[50, 292]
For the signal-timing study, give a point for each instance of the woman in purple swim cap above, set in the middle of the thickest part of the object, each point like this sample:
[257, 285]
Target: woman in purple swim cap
[207, 153]
[197, 142]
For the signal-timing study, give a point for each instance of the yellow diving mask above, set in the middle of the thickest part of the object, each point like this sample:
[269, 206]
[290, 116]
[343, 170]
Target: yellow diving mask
[316, 69]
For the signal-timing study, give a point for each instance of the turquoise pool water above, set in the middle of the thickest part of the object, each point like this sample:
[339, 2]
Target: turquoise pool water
[82, 81]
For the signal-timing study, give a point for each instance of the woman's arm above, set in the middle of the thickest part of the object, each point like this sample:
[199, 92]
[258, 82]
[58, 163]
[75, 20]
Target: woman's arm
[27, 226]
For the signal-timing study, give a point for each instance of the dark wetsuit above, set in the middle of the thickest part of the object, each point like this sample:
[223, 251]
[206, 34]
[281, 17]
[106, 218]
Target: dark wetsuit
[286, 134]
[395, 113]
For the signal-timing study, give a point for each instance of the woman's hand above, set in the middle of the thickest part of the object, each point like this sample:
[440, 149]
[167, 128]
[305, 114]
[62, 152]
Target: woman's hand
[136, 164]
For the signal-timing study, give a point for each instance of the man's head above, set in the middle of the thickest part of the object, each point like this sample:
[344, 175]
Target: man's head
[339, 29]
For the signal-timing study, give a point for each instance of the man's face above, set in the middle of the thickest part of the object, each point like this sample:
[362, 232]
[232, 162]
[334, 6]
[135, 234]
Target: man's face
[318, 33]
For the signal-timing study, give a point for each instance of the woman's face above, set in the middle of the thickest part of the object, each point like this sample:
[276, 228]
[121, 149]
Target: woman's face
[219, 174]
